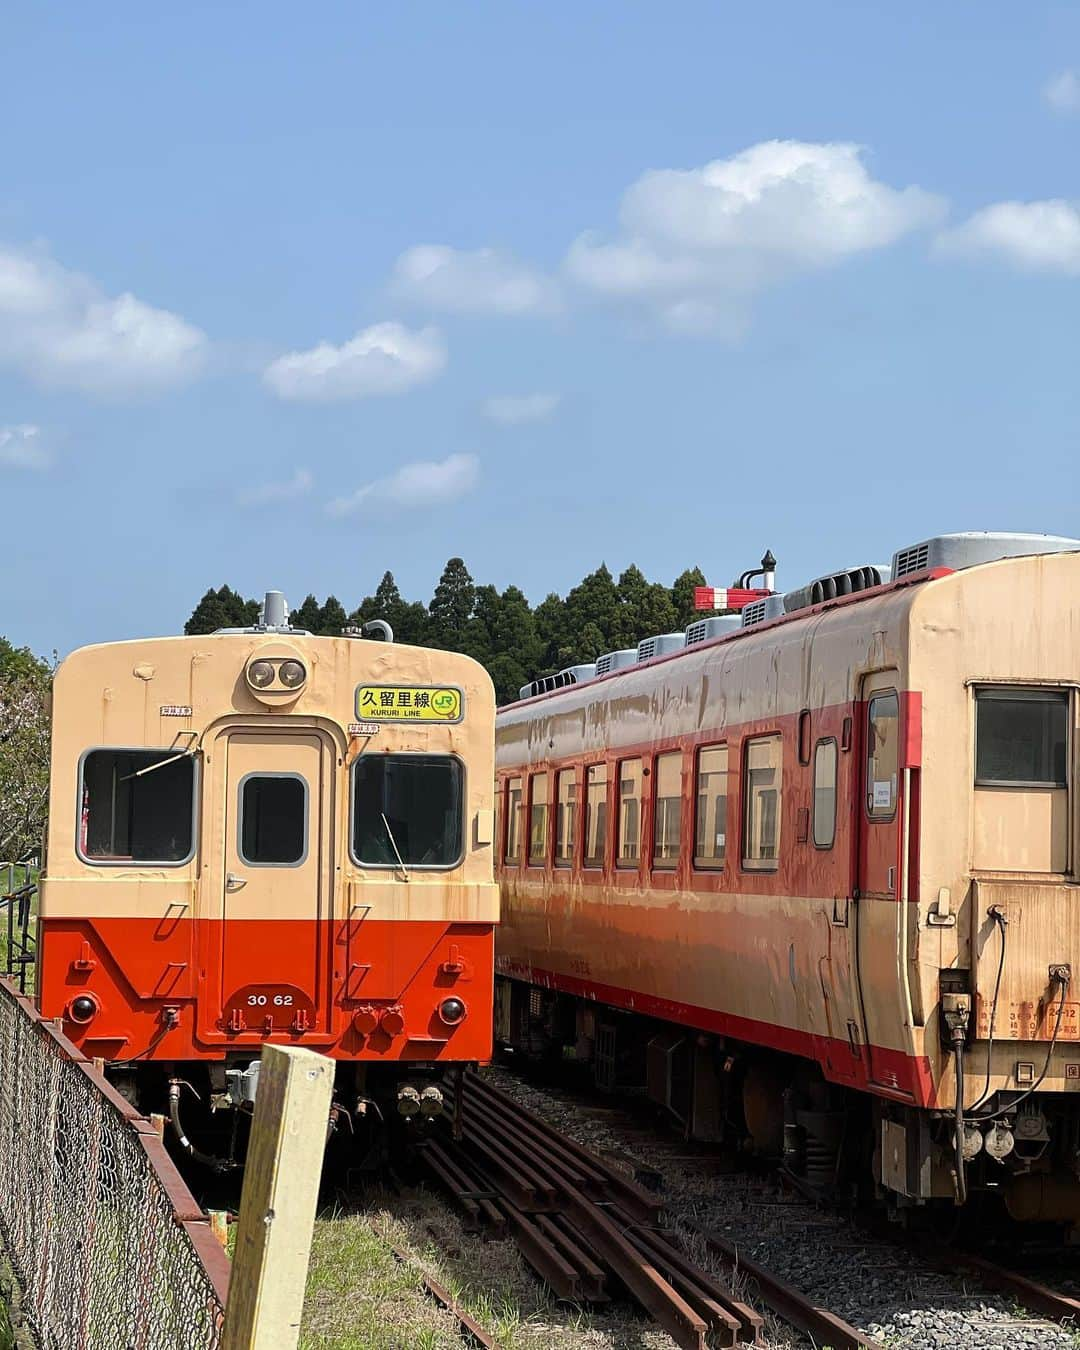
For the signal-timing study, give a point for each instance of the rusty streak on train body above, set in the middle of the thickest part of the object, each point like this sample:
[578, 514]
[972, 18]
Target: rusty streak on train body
[261, 836]
[770, 875]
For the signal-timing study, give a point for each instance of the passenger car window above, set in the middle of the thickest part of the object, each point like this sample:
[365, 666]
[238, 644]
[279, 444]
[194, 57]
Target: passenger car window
[825, 793]
[408, 809]
[882, 757]
[710, 828]
[761, 827]
[273, 819]
[595, 814]
[1021, 737]
[667, 818]
[513, 820]
[538, 819]
[628, 844]
[566, 809]
[135, 812]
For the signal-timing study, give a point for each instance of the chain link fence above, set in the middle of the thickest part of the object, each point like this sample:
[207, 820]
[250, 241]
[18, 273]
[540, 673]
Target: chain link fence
[108, 1245]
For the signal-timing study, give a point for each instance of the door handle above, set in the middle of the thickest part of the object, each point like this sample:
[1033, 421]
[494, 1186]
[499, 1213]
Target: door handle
[233, 882]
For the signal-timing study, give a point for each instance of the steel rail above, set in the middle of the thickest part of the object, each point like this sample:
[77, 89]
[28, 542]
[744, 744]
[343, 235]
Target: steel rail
[1029, 1293]
[470, 1327]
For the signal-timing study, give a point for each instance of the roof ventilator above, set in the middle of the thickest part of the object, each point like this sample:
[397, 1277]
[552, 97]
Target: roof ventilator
[546, 684]
[969, 549]
[273, 619]
[846, 582]
[704, 629]
[660, 645]
[761, 611]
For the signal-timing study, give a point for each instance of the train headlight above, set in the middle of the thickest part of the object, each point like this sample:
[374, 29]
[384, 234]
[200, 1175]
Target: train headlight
[292, 674]
[452, 1011]
[83, 1008]
[999, 1141]
[260, 674]
[973, 1142]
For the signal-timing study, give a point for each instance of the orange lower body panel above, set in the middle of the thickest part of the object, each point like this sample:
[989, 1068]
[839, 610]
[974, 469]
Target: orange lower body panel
[182, 989]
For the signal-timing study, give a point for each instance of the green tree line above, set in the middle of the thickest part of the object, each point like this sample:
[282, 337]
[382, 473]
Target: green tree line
[514, 641]
[24, 750]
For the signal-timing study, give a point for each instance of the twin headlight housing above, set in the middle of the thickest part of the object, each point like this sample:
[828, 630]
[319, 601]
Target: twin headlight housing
[275, 676]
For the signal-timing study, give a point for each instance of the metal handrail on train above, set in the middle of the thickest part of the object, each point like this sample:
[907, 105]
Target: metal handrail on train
[17, 901]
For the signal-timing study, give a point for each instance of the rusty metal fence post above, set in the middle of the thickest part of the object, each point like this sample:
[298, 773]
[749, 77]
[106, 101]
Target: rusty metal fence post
[108, 1245]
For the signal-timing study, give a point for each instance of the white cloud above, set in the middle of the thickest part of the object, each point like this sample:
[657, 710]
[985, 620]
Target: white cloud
[1035, 236]
[420, 484]
[21, 448]
[513, 409]
[267, 494]
[1062, 92]
[483, 281]
[695, 244]
[60, 328]
[386, 358]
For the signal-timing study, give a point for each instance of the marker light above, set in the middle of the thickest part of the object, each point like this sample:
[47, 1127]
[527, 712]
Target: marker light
[292, 674]
[452, 1011]
[261, 673]
[83, 1008]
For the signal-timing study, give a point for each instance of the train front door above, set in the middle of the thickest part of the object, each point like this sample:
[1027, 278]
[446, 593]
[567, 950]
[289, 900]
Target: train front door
[276, 881]
[880, 915]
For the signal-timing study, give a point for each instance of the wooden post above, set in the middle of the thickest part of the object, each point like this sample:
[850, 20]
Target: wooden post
[277, 1206]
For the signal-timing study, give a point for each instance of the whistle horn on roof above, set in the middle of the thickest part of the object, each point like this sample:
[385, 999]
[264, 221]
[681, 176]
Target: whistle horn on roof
[767, 573]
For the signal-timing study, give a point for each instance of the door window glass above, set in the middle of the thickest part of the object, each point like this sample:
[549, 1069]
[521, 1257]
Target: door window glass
[882, 757]
[1021, 737]
[565, 818]
[513, 820]
[761, 831]
[273, 820]
[667, 818]
[628, 845]
[710, 830]
[408, 809]
[538, 819]
[138, 806]
[595, 814]
[825, 794]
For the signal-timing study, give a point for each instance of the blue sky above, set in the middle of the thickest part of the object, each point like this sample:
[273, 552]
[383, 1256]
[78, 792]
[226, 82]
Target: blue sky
[293, 295]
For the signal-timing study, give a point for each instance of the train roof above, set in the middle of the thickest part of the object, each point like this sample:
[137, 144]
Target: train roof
[914, 565]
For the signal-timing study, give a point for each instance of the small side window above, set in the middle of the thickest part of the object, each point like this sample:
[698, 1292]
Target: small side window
[595, 814]
[565, 817]
[513, 820]
[710, 827]
[667, 817]
[804, 736]
[825, 793]
[882, 755]
[538, 820]
[628, 844]
[761, 825]
[1021, 738]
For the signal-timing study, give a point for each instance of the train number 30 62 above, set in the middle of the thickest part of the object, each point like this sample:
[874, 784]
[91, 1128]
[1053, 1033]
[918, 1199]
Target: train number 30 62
[277, 1000]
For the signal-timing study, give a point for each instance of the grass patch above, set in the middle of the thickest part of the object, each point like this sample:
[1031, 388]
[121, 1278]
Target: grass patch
[12, 877]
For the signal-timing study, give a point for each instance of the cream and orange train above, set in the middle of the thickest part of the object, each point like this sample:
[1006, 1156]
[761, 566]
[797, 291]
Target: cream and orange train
[263, 836]
[810, 872]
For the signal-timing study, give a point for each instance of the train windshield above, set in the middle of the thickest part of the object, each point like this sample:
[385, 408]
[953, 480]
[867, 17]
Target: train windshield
[407, 809]
[137, 806]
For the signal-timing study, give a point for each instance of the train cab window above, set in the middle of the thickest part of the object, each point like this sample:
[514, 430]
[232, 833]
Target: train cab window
[273, 820]
[628, 844]
[882, 755]
[825, 793]
[595, 814]
[710, 827]
[667, 817]
[1021, 738]
[761, 823]
[513, 820]
[137, 806]
[565, 817]
[408, 810]
[538, 819]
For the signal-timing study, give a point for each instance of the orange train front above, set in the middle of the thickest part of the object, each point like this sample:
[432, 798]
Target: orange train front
[261, 836]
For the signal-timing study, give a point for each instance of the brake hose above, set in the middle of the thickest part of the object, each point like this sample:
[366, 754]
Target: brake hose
[998, 915]
[958, 1059]
[1059, 975]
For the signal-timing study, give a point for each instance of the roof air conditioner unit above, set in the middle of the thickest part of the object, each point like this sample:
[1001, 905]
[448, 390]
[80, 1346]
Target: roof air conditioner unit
[660, 645]
[956, 551]
[759, 611]
[626, 656]
[577, 674]
[704, 629]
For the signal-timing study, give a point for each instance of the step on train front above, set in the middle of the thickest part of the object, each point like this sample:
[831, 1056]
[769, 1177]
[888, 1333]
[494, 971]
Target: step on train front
[261, 836]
